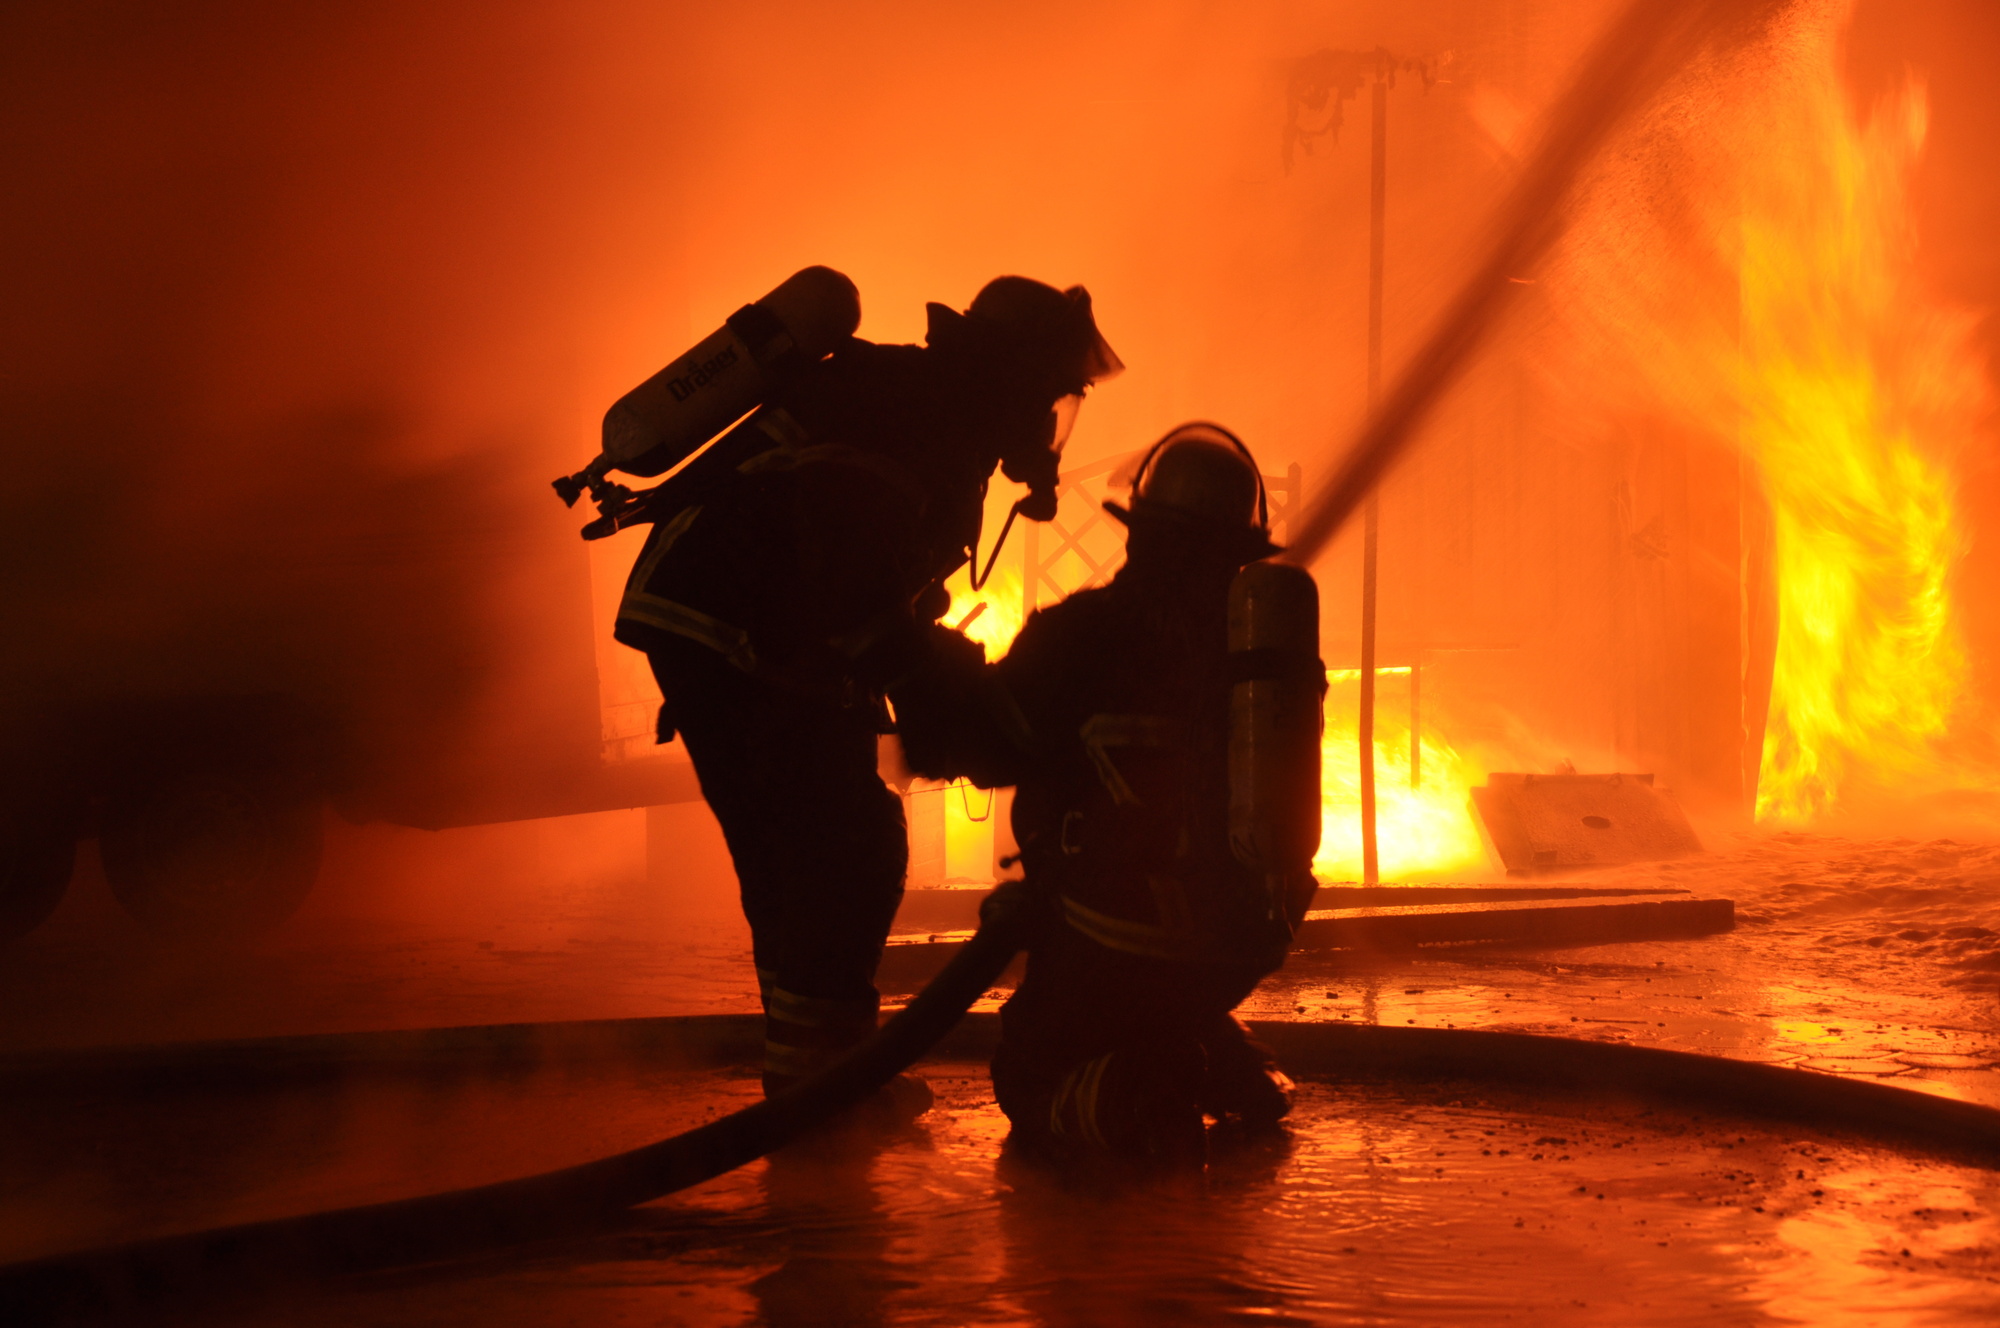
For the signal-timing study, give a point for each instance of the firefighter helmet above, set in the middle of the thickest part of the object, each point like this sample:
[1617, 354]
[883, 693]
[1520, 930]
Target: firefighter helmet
[1202, 479]
[1047, 337]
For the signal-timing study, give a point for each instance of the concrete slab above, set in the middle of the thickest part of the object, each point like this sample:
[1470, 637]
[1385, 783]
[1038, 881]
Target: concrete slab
[957, 909]
[1570, 822]
[909, 961]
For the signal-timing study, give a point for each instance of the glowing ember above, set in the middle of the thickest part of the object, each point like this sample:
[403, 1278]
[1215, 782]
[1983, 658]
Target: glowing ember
[1854, 392]
[1420, 833]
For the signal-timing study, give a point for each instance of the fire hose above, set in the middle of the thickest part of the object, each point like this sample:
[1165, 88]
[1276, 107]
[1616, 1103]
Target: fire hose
[125, 1278]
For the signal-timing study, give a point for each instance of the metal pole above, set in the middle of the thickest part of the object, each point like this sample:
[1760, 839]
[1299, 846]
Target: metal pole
[1378, 190]
[1416, 721]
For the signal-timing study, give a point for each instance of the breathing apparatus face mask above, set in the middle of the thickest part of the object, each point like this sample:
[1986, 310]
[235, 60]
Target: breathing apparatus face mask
[1063, 415]
[1038, 465]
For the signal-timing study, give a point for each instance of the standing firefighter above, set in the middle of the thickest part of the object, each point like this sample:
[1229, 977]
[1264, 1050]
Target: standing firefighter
[787, 559]
[1162, 732]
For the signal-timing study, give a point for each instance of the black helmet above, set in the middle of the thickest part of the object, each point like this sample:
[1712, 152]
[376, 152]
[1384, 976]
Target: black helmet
[1047, 337]
[1200, 479]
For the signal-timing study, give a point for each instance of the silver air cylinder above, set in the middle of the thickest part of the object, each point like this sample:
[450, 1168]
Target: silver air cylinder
[665, 419]
[1277, 686]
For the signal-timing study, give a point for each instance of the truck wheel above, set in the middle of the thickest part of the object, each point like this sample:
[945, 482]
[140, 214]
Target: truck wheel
[35, 866]
[211, 853]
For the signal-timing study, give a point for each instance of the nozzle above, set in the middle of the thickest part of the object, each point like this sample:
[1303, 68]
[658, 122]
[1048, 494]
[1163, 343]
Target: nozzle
[572, 487]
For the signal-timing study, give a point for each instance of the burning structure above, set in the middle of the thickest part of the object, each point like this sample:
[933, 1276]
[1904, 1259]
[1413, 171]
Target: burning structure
[327, 297]
[1699, 512]
[1740, 418]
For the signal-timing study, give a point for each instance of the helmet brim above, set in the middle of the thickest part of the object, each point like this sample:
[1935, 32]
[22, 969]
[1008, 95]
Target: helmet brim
[1252, 543]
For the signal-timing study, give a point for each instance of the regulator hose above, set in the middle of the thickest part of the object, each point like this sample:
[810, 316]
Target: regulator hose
[124, 1278]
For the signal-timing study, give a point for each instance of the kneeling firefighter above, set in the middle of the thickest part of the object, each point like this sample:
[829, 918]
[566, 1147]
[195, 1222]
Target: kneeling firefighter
[786, 554]
[1163, 734]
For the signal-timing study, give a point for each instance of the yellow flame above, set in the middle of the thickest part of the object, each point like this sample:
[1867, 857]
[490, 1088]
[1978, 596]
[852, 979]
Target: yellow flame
[994, 611]
[991, 616]
[1421, 832]
[1854, 393]
[971, 816]
[1848, 388]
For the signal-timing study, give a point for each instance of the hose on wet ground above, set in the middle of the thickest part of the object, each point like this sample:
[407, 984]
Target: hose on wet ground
[121, 1280]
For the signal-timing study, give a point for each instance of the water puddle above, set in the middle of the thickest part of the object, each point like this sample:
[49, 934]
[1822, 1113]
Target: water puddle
[1384, 1205]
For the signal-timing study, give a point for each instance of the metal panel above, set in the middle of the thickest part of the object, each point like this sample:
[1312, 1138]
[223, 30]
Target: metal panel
[1542, 823]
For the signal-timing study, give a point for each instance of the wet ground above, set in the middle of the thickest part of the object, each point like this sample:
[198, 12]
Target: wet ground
[1384, 1205]
[1876, 958]
[1391, 1205]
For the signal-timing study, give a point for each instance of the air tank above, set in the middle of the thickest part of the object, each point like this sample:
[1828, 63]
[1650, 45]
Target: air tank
[730, 372]
[1277, 689]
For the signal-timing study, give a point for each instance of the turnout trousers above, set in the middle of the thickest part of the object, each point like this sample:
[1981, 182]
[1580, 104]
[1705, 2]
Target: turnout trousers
[817, 839]
[1112, 1053]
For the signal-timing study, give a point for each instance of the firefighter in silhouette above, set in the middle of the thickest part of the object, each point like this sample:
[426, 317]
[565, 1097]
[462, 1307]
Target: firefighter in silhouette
[1111, 716]
[764, 600]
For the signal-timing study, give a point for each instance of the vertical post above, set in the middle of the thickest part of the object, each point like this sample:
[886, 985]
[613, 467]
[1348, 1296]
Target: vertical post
[1416, 721]
[1365, 728]
[1378, 192]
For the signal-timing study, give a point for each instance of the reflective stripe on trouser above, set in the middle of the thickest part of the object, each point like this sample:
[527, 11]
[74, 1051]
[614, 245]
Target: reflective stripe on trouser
[1137, 1100]
[1073, 1111]
[805, 1034]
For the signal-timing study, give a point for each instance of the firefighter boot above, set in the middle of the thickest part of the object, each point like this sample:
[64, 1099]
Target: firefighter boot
[1244, 1082]
[1138, 1104]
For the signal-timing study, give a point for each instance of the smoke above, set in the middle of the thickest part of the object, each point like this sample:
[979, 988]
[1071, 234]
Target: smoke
[306, 305]
[280, 388]
[1645, 47]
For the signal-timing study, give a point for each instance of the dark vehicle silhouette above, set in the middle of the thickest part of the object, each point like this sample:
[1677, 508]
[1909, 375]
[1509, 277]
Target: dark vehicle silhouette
[220, 647]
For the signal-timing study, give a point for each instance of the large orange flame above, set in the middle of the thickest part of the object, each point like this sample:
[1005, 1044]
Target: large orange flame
[1848, 388]
[1855, 392]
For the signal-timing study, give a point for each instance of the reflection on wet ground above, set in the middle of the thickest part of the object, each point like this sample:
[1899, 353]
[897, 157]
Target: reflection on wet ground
[1872, 959]
[1381, 1206]
[1867, 958]
[1864, 958]
[1690, 996]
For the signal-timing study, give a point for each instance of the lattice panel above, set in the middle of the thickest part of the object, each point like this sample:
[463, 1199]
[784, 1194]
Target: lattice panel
[1084, 545]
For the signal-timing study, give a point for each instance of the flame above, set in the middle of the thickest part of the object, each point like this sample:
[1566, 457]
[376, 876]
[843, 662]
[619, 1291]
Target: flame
[1854, 390]
[971, 817]
[1848, 388]
[991, 616]
[1422, 832]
